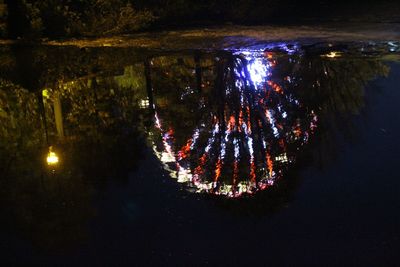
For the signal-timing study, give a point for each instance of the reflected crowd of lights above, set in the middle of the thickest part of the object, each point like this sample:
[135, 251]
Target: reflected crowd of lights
[246, 139]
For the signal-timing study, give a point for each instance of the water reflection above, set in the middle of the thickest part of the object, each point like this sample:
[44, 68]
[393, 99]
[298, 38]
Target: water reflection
[249, 130]
[227, 123]
[89, 120]
[52, 158]
[256, 112]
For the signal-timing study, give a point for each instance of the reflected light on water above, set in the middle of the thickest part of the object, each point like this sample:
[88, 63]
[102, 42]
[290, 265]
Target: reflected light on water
[333, 54]
[258, 71]
[52, 158]
[144, 103]
[244, 143]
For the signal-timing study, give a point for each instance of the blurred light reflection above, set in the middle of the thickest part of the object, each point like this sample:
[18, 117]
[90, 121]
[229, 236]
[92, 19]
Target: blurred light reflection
[247, 137]
[52, 158]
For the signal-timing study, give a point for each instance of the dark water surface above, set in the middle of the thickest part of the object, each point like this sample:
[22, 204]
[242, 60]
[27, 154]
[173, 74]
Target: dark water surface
[284, 154]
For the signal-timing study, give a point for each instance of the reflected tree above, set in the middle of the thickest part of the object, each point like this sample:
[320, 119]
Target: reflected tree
[52, 205]
[336, 88]
[243, 134]
[227, 123]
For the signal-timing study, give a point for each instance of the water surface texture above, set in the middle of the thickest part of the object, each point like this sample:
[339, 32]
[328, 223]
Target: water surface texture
[137, 156]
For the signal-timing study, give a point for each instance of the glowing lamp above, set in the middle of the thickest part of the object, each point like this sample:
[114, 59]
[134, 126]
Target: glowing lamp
[52, 158]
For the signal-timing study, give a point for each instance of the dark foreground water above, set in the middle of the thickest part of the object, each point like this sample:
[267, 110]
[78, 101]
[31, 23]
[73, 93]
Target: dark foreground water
[285, 154]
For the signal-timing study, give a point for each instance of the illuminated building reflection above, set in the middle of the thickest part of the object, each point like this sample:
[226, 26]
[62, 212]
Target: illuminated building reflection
[250, 128]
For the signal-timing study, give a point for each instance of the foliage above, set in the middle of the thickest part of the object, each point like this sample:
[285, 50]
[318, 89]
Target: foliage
[71, 18]
[113, 17]
[66, 18]
[52, 207]
[19, 119]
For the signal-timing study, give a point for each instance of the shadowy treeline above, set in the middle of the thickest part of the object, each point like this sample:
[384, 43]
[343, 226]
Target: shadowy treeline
[75, 18]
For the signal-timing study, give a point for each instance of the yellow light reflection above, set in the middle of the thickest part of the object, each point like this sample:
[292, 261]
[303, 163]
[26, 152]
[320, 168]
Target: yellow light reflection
[45, 93]
[333, 54]
[52, 158]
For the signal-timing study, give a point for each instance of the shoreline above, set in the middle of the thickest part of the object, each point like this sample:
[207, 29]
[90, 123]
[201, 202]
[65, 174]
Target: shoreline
[234, 36]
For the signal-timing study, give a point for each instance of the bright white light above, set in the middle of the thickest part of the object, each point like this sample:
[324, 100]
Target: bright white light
[393, 46]
[282, 158]
[167, 157]
[184, 175]
[236, 145]
[158, 124]
[250, 145]
[275, 130]
[258, 71]
[144, 103]
[194, 138]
